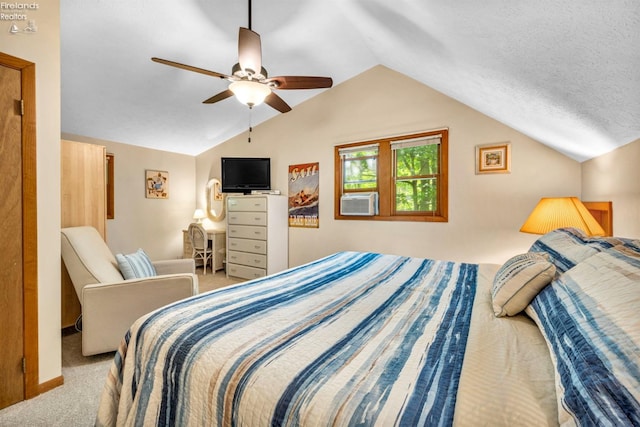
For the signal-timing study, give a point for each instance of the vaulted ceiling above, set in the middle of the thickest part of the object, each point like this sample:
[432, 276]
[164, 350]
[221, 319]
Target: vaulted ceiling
[566, 73]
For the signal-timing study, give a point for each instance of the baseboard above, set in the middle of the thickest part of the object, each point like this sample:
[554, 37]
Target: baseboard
[51, 384]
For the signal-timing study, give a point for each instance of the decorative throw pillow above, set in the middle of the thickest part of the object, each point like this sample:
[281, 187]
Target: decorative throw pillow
[518, 281]
[136, 265]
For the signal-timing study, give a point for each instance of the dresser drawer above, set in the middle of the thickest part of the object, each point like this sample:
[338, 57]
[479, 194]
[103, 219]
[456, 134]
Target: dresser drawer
[247, 218]
[245, 272]
[248, 245]
[250, 204]
[247, 258]
[248, 232]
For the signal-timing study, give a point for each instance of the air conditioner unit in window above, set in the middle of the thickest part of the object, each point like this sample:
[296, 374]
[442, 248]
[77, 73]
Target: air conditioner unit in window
[359, 204]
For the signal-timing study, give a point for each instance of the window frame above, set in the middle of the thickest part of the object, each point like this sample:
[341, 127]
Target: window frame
[386, 180]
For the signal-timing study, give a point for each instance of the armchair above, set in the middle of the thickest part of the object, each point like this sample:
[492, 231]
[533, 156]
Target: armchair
[110, 304]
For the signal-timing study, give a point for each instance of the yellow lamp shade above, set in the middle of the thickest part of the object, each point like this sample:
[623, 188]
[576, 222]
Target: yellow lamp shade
[558, 212]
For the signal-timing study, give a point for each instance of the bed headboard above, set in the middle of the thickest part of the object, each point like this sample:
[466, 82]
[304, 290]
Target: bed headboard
[603, 213]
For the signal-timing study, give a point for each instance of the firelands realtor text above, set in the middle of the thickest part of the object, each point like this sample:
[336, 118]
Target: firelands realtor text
[10, 11]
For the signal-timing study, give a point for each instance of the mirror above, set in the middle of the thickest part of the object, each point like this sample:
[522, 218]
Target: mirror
[215, 200]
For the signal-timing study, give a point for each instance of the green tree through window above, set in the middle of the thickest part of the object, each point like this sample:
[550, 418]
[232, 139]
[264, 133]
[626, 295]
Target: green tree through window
[409, 174]
[416, 177]
[360, 169]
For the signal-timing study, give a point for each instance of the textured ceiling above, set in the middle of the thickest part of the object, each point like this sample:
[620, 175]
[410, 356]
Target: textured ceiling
[566, 73]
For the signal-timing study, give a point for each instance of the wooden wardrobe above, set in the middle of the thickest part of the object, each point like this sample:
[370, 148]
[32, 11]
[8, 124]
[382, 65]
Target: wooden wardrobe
[83, 201]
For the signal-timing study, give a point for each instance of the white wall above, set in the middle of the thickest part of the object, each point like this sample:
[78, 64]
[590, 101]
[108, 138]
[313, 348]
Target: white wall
[485, 211]
[43, 49]
[154, 225]
[615, 176]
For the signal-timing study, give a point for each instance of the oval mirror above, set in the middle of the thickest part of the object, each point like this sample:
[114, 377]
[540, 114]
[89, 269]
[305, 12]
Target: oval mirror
[215, 200]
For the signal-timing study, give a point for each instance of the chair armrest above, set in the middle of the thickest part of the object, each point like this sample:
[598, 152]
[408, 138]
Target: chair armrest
[173, 266]
[109, 309]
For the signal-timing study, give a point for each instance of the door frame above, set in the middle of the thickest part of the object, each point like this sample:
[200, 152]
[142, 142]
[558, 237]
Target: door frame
[29, 221]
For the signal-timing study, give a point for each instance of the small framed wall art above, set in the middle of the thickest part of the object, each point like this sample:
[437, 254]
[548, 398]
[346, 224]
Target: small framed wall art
[156, 184]
[493, 158]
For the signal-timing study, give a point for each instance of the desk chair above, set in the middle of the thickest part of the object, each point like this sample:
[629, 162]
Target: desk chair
[200, 245]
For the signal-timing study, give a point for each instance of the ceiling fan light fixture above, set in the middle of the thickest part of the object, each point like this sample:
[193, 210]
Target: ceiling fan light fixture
[249, 92]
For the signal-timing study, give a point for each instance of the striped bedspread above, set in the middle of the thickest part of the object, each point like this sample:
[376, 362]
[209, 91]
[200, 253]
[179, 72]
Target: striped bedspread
[350, 339]
[589, 316]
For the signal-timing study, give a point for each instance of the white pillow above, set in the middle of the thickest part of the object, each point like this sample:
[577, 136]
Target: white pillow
[136, 265]
[518, 281]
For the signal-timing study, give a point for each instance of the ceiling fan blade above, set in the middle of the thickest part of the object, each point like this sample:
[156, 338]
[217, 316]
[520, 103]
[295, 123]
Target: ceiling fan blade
[190, 68]
[300, 82]
[249, 51]
[218, 97]
[276, 102]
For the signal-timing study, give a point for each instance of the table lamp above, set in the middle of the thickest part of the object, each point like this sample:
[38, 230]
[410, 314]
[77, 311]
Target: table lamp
[199, 215]
[558, 212]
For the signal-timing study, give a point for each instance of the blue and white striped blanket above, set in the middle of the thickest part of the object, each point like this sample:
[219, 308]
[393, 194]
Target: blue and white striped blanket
[350, 339]
[589, 317]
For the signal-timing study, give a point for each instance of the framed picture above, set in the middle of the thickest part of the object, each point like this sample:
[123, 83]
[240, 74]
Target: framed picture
[156, 184]
[217, 191]
[493, 158]
[304, 195]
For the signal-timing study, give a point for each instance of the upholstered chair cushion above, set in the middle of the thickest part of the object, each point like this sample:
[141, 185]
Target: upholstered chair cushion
[88, 258]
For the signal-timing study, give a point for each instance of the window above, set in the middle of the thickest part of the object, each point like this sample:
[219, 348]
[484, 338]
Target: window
[409, 174]
[360, 168]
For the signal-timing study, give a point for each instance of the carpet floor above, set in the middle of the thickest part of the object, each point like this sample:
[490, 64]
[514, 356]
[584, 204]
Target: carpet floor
[75, 403]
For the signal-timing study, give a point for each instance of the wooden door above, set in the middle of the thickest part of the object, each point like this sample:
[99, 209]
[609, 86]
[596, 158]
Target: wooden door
[83, 193]
[11, 339]
[18, 232]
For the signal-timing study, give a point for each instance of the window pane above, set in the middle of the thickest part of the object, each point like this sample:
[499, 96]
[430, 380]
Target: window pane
[360, 173]
[417, 161]
[417, 195]
[416, 171]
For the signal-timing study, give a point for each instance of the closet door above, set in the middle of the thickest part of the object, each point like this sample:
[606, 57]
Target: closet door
[18, 232]
[83, 194]
[12, 388]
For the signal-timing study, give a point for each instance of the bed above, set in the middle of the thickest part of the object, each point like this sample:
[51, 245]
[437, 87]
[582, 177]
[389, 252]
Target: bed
[551, 337]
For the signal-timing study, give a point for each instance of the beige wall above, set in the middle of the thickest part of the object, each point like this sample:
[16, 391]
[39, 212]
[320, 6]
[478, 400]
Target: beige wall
[485, 211]
[615, 176]
[43, 49]
[154, 225]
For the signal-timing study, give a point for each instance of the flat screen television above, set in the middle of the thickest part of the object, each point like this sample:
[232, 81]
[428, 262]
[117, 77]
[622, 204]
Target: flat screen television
[245, 174]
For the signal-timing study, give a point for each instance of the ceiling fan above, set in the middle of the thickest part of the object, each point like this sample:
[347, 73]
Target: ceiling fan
[249, 80]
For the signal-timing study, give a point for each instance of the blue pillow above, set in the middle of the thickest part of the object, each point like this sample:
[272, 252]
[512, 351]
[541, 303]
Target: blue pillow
[136, 265]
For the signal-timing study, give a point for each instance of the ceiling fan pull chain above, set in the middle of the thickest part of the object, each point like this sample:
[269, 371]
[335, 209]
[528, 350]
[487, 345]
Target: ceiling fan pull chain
[250, 128]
